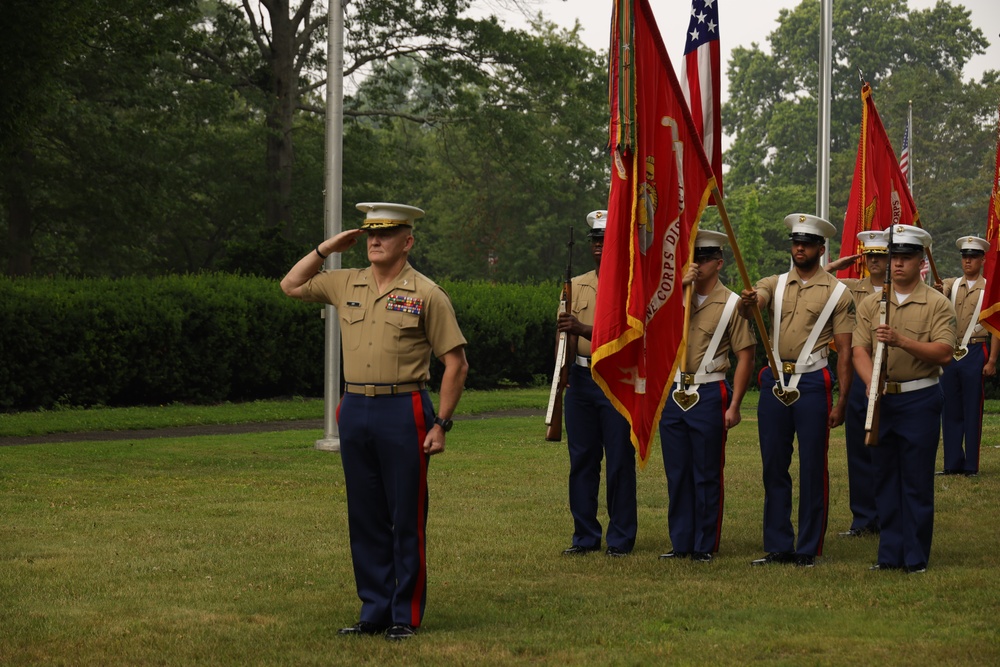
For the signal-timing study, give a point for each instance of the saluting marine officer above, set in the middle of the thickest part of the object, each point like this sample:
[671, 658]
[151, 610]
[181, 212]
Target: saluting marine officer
[703, 405]
[392, 319]
[919, 335]
[962, 382]
[809, 308]
[595, 429]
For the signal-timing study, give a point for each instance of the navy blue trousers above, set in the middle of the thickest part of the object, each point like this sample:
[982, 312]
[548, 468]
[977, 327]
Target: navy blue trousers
[594, 430]
[860, 469]
[962, 415]
[778, 425]
[909, 425]
[385, 472]
[694, 455]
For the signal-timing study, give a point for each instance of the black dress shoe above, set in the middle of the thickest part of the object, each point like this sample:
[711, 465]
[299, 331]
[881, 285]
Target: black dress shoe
[782, 558]
[701, 557]
[971, 473]
[916, 569]
[860, 532]
[883, 566]
[948, 471]
[399, 632]
[577, 550]
[615, 552]
[363, 628]
[674, 554]
[805, 560]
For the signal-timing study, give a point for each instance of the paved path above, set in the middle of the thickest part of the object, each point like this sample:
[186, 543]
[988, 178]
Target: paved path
[215, 429]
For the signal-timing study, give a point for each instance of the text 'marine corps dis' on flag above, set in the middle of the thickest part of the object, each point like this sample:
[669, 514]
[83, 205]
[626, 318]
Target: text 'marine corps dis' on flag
[660, 185]
[990, 313]
[879, 195]
[700, 74]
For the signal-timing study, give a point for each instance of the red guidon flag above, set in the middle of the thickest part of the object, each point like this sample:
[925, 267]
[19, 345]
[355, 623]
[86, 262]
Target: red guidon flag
[879, 196]
[990, 314]
[660, 185]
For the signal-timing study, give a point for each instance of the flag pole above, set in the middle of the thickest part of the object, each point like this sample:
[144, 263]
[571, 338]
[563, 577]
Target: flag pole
[757, 317]
[909, 159]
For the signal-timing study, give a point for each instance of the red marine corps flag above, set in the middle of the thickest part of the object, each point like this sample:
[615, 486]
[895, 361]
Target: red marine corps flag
[660, 184]
[879, 195]
[990, 314]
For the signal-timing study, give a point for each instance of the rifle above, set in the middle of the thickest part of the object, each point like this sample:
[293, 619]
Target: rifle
[560, 376]
[880, 359]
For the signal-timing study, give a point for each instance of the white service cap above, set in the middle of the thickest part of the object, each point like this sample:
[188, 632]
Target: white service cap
[809, 227]
[972, 245]
[598, 221]
[909, 239]
[874, 242]
[380, 215]
[708, 241]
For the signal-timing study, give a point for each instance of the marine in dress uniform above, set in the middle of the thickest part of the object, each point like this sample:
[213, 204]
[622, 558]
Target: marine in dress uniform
[809, 309]
[703, 405]
[919, 335]
[860, 470]
[392, 319]
[962, 382]
[595, 430]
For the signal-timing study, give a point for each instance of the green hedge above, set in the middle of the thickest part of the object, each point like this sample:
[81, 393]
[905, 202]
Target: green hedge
[215, 337]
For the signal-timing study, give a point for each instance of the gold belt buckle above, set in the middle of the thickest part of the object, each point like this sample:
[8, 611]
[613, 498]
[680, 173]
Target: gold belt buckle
[687, 378]
[788, 367]
[893, 388]
[370, 390]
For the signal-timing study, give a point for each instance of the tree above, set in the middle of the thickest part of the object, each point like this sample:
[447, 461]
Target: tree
[905, 55]
[521, 160]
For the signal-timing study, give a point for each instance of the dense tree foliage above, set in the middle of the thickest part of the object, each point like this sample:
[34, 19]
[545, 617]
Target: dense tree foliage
[168, 136]
[906, 55]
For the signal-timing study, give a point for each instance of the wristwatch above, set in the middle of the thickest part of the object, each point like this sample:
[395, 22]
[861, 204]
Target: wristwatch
[445, 424]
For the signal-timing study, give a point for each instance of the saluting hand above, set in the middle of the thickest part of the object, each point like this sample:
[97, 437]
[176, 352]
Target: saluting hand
[342, 241]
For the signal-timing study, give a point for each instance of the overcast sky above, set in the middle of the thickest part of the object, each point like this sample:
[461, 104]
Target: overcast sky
[741, 22]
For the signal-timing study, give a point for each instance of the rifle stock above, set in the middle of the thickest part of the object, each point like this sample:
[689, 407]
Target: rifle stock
[880, 359]
[560, 375]
[875, 388]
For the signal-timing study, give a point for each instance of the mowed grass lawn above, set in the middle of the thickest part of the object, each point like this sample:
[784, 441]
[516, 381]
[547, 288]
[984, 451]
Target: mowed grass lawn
[233, 550]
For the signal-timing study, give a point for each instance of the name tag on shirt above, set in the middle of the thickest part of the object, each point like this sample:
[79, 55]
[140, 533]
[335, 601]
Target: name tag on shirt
[353, 304]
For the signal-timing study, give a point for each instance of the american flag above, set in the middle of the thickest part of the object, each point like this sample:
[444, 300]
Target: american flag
[701, 79]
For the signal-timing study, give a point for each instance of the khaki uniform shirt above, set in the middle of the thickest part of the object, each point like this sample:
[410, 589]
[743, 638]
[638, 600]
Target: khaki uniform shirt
[388, 337]
[926, 316]
[800, 308]
[703, 323]
[965, 307]
[584, 302]
[860, 288]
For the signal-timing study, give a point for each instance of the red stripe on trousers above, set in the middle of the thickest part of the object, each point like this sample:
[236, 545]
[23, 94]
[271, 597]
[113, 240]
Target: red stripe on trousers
[418, 589]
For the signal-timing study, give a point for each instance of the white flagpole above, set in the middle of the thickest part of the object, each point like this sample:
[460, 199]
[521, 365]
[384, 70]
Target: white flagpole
[825, 97]
[333, 217]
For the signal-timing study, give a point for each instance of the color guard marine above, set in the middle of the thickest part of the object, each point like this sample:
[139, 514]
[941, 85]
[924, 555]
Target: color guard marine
[595, 430]
[974, 359]
[918, 338]
[809, 309]
[703, 405]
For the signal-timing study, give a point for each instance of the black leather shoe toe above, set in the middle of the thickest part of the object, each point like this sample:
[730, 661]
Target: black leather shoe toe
[577, 550]
[781, 558]
[615, 552]
[399, 632]
[362, 628]
[674, 554]
[804, 560]
[701, 557]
